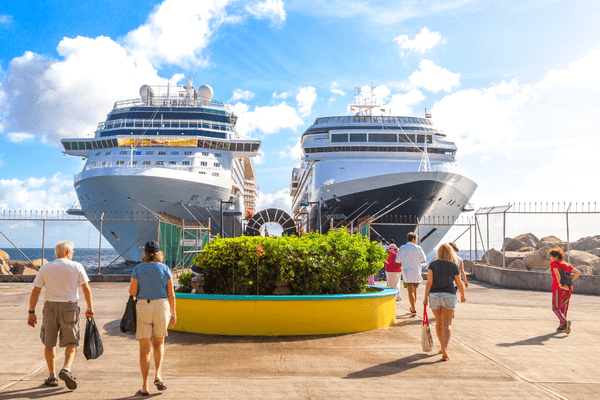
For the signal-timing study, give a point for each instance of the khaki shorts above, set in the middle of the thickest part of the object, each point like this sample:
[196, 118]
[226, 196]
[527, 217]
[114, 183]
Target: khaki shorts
[61, 321]
[413, 284]
[152, 318]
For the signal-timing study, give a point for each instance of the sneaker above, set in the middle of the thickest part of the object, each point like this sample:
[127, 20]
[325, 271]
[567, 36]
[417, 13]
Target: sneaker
[69, 379]
[561, 329]
[568, 328]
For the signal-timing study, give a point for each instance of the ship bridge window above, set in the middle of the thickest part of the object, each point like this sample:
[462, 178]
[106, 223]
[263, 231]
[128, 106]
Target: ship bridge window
[421, 138]
[383, 137]
[403, 137]
[255, 147]
[67, 145]
[88, 145]
[358, 137]
[339, 137]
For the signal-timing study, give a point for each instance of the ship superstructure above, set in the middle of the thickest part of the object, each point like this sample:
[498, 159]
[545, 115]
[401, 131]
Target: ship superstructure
[173, 151]
[356, 169]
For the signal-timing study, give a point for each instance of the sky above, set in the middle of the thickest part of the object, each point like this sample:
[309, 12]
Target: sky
[515, 84]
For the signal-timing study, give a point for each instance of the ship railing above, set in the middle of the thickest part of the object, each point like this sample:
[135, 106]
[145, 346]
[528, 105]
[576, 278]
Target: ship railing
[108, 164]
[171, 101]
[163, 124]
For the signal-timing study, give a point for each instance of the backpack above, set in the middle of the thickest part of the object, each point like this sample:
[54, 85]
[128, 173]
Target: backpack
[565, 277]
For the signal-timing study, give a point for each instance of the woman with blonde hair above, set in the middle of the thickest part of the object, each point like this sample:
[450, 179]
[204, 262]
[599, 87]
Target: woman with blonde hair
[440, 293]
[152, 284]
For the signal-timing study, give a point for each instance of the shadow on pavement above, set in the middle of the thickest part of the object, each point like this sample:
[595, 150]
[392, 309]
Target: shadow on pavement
[534, 341]
[186, 338]
[392, 367]
[40, 392]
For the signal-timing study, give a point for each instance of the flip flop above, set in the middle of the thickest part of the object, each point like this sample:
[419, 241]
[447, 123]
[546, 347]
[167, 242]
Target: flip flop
[140, 393]
[160, 385]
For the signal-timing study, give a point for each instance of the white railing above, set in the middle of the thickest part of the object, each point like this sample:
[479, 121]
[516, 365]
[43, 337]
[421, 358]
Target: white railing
[167, 123]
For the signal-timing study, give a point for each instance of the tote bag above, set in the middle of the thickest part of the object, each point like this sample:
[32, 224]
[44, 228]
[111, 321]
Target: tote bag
[129, 320]
[426, 339]
[92, 344]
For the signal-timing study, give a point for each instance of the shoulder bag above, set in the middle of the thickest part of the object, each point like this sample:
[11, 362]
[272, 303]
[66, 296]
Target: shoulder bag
[426, 339]
[565, 277]
[129, 320]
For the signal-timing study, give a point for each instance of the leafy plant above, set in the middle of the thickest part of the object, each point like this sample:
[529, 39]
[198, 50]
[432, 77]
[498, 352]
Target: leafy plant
[336, 263]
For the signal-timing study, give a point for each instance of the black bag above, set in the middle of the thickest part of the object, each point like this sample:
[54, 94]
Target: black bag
[565, 277]
[129, 320]
[92, 344]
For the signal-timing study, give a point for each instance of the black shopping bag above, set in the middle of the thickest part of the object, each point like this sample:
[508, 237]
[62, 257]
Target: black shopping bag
[92, 344]
[129, 320]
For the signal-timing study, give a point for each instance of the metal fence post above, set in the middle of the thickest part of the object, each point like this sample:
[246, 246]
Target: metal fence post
[568, 239]
[503, 239]
[43, 238]
[100, 245]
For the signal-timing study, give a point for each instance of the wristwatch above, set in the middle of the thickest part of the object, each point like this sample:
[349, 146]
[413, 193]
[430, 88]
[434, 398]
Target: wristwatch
[31, 312]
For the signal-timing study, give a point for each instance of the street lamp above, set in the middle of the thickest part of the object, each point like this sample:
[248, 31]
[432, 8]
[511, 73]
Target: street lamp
[321, 205]
[230, 212]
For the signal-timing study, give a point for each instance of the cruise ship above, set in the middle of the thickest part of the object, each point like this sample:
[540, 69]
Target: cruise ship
[175, 152]
[362, 170]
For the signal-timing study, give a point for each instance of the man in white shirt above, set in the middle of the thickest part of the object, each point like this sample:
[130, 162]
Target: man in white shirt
[411, 256]
[62, 279]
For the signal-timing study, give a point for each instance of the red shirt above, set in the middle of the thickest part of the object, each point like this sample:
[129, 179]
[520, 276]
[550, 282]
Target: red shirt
[553, 267]
[390, 264]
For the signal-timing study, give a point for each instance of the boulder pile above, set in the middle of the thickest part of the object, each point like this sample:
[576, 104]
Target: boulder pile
[16, 267]
[527, 252]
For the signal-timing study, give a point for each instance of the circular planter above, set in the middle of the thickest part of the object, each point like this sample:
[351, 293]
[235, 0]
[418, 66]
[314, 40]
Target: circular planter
[285, 315]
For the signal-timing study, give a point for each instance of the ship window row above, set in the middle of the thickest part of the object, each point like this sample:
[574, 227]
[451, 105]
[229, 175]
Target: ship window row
[310, 150]
[380, 137]
[324, 130]
[372, 119]
[218, 123]
[165, 132]
[100, 164]
[167, 113]
[155, 142]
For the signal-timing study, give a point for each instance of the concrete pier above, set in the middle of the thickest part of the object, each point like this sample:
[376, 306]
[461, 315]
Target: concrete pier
[504, 346]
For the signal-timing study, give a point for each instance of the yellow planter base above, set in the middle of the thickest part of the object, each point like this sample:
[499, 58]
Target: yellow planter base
[285, 315]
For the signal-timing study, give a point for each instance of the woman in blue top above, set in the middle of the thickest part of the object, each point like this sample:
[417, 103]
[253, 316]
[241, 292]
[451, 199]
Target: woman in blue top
[152, 284]
[441, 294]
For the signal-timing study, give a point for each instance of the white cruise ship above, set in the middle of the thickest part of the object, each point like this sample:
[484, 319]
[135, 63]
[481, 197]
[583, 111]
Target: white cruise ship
[174, 151]
[365, 169]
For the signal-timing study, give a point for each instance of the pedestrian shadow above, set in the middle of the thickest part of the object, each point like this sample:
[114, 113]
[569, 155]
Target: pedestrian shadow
[40, 392]
[113, 328]
[534, 341]
[392, 367]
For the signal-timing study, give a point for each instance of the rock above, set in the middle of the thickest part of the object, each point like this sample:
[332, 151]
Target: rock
[585, 270]
[580, 258]
[513, 244]
[4, 267]
[551, 241]
[595, 252]
[18, 267]
[586, 244]
[496, 257]
[517, 264]
[529, 238]
[538, 260]
[4, 255]
[526, 250]
[30, 271]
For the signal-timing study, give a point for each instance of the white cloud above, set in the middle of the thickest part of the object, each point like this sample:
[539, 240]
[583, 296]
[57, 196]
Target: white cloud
[269, 9]
[403, 103]
[335, 89]
[282, 95]
[485, 159]
[5, 19]
[239, 94]
[55, 193]
[260, 158]
[434, 78]
[68, 97]
[306, 97]
[19, 137]
[177, 32]
[265, 120]
[293, 152]
[423, 42]
[281, 200]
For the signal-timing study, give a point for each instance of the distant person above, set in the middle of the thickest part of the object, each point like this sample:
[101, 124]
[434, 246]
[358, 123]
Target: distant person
[561, 294]
[62, 279]
[411, 256]
[440, 294]
[393, 270]
[461, 265]
[152, 284]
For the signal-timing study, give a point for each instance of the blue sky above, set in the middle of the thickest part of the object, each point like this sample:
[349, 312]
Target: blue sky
[514, 83]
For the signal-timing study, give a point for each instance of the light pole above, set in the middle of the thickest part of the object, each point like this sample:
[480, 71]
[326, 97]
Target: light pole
[310, 203]
[232, 213]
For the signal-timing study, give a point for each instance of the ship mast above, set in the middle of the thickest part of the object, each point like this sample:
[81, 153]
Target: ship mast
[365, 108]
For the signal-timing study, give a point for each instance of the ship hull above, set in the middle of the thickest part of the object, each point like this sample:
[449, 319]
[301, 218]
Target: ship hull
[127, 206]
[426, 203]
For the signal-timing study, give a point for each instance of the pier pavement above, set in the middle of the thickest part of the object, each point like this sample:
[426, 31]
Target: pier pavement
[504, 346]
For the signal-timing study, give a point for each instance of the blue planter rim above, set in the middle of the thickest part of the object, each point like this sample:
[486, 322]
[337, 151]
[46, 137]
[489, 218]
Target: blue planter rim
[383, 292]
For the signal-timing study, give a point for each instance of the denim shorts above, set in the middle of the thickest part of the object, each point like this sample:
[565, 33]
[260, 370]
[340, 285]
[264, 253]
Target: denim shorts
[442, 299]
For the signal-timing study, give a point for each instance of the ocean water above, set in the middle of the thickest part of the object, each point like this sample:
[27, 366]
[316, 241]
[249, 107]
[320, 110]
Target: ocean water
[86, 257]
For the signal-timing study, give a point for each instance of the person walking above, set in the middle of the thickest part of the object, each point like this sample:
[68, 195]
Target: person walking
[561, 294]
[152, 284]
[393, 270]
[411, 256]
[60, 316]
[461, 264]
[440, 294]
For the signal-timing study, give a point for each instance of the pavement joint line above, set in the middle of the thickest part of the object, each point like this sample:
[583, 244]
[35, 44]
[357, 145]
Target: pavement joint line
[30, 374]
[514, 374]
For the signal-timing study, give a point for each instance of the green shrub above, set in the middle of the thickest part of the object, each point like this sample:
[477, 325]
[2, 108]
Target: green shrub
[336, 263]
[185, 281]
